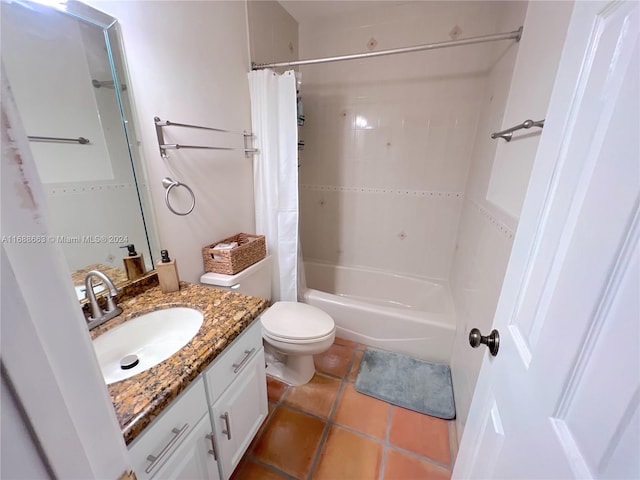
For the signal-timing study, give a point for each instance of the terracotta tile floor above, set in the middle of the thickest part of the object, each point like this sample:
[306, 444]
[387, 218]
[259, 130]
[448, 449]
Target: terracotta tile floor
[327, 430]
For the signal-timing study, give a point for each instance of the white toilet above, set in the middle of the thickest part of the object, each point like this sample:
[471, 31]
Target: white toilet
[292, 332]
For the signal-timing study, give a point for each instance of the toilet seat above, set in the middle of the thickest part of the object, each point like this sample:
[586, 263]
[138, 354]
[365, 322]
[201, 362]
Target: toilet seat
[298, 341]
[294, 322]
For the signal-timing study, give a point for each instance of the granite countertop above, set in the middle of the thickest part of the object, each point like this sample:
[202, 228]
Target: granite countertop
[141, 398]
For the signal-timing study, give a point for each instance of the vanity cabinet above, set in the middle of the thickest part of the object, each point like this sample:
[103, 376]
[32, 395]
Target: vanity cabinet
[237, 393]
[206, 430]
[238, 414]
[193, 458]
[182, 426]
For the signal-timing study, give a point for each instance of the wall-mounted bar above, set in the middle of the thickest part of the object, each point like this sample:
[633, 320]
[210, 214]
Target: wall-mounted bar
[80, 140]
[508, 133]
[176, 146]
[169, 184]
[106, 84]
[515, 35]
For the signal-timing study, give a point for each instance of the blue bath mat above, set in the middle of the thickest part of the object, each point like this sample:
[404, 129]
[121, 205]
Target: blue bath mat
[407, 382]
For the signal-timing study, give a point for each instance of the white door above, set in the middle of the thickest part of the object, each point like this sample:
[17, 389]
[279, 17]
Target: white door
[560, 400]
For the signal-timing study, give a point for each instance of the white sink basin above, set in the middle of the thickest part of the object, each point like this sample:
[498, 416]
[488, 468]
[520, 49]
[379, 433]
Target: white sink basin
[152, 337]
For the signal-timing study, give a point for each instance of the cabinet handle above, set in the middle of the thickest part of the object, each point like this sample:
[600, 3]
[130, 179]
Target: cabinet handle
[226, 432]
[238, 366]
[213, 446]
[156, 460]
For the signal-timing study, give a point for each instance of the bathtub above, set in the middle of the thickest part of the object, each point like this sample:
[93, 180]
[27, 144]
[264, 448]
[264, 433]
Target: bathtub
[392, 312]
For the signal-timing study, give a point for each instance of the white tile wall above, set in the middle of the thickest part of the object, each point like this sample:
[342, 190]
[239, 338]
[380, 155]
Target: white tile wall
[482, 252]
[509, 178]
[404, 122]
[399, 230]
[273, 33]
[482, 248]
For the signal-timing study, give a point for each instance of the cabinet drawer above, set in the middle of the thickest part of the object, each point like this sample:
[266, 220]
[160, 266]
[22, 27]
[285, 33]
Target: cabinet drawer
[232, 361]
[161, 438]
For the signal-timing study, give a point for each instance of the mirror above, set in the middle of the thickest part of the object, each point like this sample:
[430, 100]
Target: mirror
[65, 67]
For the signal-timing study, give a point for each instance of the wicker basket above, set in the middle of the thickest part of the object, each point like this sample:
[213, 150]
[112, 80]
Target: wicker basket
[250, 249]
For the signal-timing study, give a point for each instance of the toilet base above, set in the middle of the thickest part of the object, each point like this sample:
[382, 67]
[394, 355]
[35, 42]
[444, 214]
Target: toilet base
[292, 369]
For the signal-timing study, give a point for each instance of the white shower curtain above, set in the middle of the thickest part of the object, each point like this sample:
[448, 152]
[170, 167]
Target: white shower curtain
[275, 174]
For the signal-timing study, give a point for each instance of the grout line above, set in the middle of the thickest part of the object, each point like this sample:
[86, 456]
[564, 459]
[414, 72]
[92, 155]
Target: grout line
[389, 418]
[318, 453]
[386, 443]
[329, 420]
[330, 375]
[409, 453]
[453, 442]
[332, 412]
[271, 468]
[383, 462]
[299, 410]
[359, 433]
[352, 361]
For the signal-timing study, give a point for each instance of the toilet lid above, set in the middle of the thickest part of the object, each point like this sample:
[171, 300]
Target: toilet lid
[296, 321]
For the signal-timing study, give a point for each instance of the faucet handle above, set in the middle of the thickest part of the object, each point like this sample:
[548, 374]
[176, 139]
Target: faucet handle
[111, 304]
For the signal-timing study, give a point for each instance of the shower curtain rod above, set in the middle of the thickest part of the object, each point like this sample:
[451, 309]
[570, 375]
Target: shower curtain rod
[515, 35]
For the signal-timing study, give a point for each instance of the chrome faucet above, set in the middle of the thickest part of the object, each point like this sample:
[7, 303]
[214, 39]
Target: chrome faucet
[99, 316]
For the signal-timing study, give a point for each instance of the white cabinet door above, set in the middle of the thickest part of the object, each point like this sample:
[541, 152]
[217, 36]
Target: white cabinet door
[193, 459]
[239, 412]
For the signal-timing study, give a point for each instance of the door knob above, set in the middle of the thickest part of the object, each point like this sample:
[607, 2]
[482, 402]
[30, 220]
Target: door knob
[492, 341]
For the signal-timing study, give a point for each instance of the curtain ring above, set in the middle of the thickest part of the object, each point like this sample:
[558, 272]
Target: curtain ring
[168, 184]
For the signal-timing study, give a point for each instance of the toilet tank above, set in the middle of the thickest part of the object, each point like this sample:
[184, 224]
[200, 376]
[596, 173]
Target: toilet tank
[254, 280]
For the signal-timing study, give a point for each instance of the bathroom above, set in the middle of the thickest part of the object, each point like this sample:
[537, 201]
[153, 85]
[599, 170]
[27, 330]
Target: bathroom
[463, 235]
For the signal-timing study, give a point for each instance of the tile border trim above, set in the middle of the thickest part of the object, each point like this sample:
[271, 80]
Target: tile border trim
[503, 229]
[86, 188]
[405, 192]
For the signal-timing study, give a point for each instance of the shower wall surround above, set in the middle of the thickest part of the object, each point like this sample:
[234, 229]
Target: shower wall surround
[399, 172]
[388, 141]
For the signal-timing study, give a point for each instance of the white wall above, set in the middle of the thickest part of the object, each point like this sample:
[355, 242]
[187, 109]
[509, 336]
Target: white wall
[388, 141]
[188, 63]
[520, 82]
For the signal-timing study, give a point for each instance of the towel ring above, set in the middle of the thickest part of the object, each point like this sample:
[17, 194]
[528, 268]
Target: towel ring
[168, 184]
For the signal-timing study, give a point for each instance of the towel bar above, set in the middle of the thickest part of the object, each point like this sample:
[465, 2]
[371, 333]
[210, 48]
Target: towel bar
[508, 133]
[176, 146]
